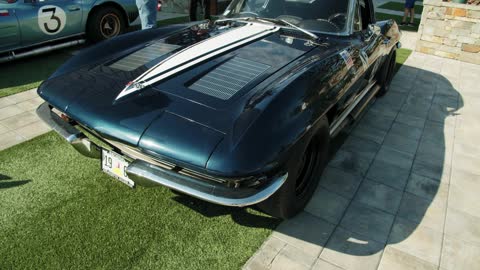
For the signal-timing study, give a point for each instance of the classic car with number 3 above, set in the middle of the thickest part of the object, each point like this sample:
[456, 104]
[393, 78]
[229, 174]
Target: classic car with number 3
[30, 27]
[237, 112]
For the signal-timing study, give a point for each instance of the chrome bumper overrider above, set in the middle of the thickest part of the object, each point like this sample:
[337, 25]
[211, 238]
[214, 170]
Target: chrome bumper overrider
[147, 174]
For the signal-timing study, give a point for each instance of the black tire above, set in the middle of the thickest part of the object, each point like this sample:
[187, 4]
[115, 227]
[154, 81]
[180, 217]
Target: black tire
[386, 73]
[303, 179]
[104, 23]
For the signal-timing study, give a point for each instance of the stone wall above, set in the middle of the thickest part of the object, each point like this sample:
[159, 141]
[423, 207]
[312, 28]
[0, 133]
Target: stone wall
[450, 30]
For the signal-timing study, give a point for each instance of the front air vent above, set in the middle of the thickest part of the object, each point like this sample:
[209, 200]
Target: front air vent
[229, 78]
[143, 56]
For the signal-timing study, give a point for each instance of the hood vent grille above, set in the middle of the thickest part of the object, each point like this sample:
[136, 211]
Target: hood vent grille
[143, 56]
[229, 78]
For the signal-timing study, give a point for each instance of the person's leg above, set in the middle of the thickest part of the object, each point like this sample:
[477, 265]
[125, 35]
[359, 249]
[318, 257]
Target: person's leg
[207, 8]
[147, 11]
[405, 15]
[412, 15]
[152, 13]
[193, 10]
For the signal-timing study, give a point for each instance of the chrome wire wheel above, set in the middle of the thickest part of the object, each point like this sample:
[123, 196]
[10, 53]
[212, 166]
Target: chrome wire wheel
[110, 25]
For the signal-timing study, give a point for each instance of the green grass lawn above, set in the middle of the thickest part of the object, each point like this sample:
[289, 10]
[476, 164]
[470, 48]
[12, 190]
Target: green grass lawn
[25, 74]
[401, 7]
[402, 56]
[59, 211]
[398, 19]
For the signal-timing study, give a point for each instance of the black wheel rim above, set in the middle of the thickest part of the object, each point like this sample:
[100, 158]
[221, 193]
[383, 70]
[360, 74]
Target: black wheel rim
[306, 171]
[110, 25]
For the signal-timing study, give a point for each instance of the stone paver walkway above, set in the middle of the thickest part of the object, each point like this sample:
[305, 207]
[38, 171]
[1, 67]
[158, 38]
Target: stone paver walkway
[18, 120]
[402, 191]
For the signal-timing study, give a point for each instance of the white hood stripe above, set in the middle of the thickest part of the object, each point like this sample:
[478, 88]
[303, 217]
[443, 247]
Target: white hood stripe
[199, 52]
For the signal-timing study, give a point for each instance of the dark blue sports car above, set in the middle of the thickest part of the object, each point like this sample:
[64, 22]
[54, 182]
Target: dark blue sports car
[237, 112]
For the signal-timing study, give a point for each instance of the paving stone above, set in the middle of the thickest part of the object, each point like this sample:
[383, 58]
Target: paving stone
[394, 157]
[351, 251]
[10, 111]
[401, 143]
[410, 120]
[438, 172]
[306, 232]
[33, 130]
[368, 133]
[350, 162]
[466, 163]
[19, 120]
[384, 109]
[293, 258]
[394, 259]
[417, 107]
[365, 148]
[393, 100]
[438, 133]
[464, 192]
[420, 241]
[439, 113]
[388, 174]
[263, 258]
[369, 222]
[424, 212]
[373, 120]
[327, 205]
[426, 187]
[432, 153]
[470, 149]
[340, 182]
[3, 129]
[458, 254]
[406, 131]
[9, 139]
[379, 196]
[461, 225]
[5, 101]
[324, 265]
[31, 104]
[17, 98]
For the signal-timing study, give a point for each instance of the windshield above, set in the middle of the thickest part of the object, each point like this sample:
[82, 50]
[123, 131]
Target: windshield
[314, 15]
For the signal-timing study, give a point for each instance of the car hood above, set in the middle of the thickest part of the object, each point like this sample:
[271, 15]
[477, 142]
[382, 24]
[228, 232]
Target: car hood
[183, 91]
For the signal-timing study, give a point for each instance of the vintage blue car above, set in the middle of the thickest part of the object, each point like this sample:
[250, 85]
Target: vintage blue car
[237, 112]
[33, 26]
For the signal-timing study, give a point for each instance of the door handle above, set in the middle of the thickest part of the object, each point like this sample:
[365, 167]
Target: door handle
[74, 8]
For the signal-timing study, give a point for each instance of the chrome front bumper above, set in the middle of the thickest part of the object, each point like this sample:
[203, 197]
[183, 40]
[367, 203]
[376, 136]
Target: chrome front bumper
[147, 174]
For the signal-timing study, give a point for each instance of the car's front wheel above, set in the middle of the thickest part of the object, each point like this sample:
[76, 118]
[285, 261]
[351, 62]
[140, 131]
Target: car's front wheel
[386, 73]
[105, 23]
[303, 179]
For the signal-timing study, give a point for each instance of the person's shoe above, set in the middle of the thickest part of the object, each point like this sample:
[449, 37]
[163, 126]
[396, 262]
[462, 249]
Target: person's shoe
[403, 23]
[411, 24]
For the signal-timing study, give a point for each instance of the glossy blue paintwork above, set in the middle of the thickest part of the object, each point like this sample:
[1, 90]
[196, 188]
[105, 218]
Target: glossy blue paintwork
[20, 27]
[255, 132]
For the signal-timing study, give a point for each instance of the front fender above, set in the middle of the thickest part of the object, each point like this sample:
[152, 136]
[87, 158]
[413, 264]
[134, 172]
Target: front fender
[286, 122]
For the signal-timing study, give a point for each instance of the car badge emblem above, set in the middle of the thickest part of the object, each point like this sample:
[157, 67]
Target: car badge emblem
[131, 87]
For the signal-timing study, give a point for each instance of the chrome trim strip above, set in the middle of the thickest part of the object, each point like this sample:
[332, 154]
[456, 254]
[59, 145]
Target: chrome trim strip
[145, 174]
[337, 123]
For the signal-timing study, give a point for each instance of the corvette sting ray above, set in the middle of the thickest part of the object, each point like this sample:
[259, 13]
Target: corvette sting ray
[238, 111]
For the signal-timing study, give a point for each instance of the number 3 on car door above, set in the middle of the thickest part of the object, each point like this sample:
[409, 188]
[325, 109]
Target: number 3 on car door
[42, 20]
[51, 19]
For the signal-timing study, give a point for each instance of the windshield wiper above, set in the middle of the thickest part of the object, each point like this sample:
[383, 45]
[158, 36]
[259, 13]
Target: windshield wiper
[312, 35]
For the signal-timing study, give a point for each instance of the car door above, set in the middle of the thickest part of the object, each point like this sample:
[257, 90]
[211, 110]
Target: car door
[371, 40]
[44, 20]
[9, 30]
